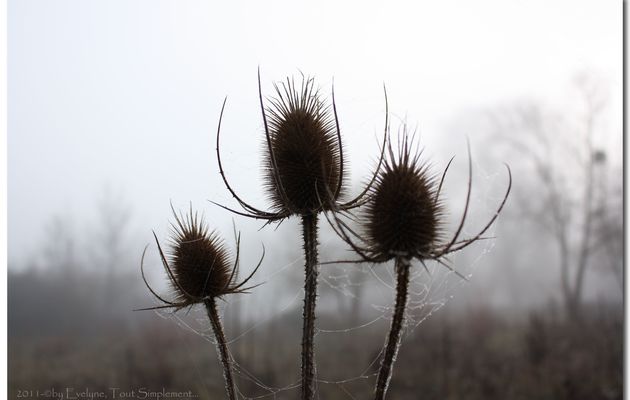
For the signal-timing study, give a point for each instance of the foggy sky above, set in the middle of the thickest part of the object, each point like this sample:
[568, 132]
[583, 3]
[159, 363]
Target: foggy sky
[127, 93]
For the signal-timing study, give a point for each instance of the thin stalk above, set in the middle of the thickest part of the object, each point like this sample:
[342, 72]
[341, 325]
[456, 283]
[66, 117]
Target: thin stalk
[309, 225]
[398, 320]
[224, 355]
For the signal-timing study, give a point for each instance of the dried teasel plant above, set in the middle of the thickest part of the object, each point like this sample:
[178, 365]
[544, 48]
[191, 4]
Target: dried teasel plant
[304, 175]
[404, 221]
[200, 272]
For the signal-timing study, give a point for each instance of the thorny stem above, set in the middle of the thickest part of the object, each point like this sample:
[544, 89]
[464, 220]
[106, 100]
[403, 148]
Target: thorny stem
[398, 320]
[309, 224]
[217, 328]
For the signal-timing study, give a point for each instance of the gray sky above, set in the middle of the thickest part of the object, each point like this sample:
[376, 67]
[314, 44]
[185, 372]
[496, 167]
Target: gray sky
[127, 93]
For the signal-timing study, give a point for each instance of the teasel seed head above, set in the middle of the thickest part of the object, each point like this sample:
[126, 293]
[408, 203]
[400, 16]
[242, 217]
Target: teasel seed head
[303, 158]
[304, 162]
[199, 260]
[403, 216]
[198, 265]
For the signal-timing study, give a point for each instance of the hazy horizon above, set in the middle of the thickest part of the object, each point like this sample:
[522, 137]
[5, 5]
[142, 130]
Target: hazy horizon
[126, 95]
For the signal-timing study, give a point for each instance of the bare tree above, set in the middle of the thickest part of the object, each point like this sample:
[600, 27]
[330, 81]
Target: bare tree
[111, 232]
[60, 252]
[563, 181]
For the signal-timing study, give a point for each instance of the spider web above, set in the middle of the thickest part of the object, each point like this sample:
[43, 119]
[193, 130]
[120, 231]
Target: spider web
[430, 289]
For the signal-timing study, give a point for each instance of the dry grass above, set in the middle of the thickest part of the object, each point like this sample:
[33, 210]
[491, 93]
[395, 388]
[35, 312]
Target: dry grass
[478, 355]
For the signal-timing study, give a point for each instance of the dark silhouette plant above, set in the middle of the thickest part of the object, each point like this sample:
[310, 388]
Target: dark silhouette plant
[303, 167]
[304, 175]
[404, 221]
[199, 271]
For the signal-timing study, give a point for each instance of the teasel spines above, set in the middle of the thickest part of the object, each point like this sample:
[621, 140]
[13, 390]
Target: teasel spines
[304, 162]
[404, 216]
[199, 271]
[306, 176]
[199, 260]
[404, 222]
[198, 264]
[304, 171]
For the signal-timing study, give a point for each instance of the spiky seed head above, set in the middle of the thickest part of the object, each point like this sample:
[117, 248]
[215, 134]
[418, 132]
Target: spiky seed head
[199, 261]
[403, 214]
[305, 147]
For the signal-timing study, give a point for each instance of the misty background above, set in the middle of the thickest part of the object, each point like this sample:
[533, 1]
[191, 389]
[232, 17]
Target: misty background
[113, 109]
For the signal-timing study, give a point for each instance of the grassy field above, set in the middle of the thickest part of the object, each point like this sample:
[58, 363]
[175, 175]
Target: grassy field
[477, 354]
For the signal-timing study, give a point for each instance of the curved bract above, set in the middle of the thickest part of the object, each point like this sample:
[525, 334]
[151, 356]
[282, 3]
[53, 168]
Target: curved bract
[304, 175]
[199, 271]
[404, 212]
[303, 158]
[198, 265]
[403, 222]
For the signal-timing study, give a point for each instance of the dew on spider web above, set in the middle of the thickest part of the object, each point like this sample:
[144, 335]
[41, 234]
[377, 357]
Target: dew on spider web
[340, 286]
